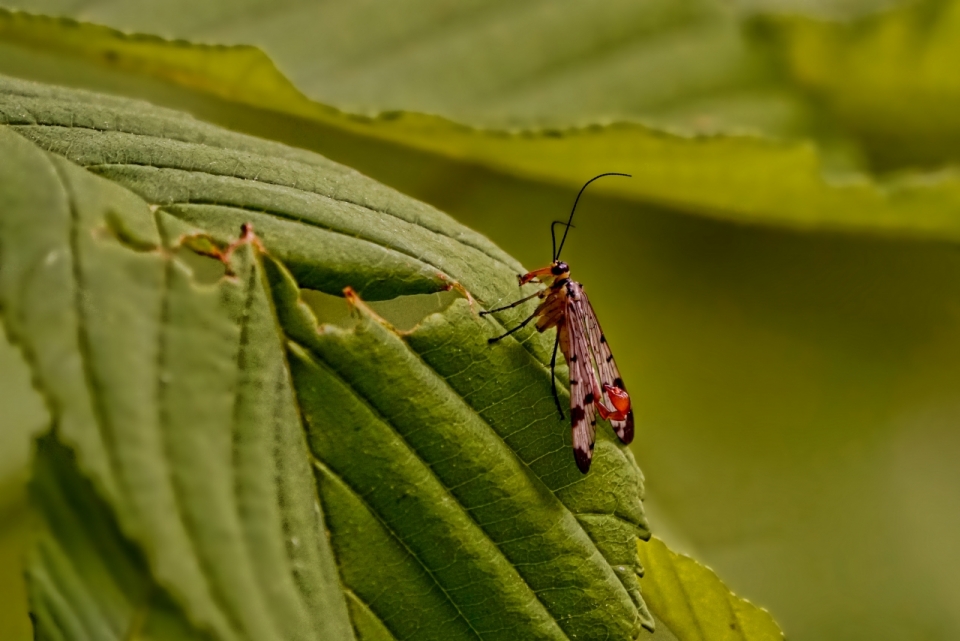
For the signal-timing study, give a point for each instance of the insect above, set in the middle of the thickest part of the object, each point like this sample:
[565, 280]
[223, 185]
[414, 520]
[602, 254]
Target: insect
[595, 383]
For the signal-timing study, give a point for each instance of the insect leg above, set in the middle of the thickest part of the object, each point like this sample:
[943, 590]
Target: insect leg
[520, 326]
[553, 374]
[511, 305]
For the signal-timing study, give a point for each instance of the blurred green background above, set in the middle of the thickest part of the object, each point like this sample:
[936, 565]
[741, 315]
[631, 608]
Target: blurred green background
[797, 376]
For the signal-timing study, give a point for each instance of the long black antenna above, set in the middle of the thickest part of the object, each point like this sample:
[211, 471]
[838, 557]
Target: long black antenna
[556, 252]
[553, 233]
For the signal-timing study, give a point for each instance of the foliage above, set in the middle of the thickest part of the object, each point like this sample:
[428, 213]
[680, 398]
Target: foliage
[796, 390]
[191, 419]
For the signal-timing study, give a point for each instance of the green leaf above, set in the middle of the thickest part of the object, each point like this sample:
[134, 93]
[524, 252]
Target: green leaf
[16, 529]
[743, 179]
[798, 390]
[229, 436]
[24, 414]
[888, 79]
[141, 366]
[543, 539]
[86, 579]
[691, 603]
[568, 62]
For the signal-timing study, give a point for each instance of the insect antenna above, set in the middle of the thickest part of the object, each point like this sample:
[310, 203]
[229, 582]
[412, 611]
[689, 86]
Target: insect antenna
[557, 250]
[553, 234]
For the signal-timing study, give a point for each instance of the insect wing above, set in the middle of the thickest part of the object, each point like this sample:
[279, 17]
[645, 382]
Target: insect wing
[615, 392]
[584, 386]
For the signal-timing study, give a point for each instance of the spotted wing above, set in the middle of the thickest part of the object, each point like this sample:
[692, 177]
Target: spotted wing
[584, 385]
[609, 374]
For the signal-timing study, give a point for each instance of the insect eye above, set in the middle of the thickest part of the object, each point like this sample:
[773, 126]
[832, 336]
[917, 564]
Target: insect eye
[559, 268]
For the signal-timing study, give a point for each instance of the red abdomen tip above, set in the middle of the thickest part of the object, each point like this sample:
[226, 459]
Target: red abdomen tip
[619, 398]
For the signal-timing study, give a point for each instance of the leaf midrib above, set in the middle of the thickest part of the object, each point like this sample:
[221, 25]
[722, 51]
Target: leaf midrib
[320, 465]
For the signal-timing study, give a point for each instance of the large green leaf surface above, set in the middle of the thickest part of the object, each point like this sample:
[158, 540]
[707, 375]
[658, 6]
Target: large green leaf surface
[798, 392]
[115, 334]
[526, 63]
[228, 436]
[889, 79]
[726, 176]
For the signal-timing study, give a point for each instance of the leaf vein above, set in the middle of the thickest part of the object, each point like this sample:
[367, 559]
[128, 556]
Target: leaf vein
[327, 469]
[369, 610]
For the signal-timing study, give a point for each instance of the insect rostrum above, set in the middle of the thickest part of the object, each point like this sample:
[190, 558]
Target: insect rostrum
[595, 383]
